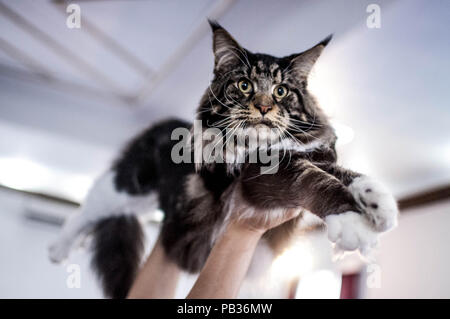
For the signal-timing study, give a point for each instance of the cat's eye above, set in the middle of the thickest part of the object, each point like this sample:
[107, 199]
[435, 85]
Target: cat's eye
[280, 91]
[245, 86]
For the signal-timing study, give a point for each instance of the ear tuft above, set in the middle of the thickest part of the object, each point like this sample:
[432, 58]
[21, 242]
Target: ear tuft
[214, 25]
[227, 52]
[304, 62]
[327, 40]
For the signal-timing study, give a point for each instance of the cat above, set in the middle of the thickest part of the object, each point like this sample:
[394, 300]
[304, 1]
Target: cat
[249, 90]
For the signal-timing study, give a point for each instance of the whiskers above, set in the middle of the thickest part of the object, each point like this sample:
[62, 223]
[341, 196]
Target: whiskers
[298, 126]
[229, 129]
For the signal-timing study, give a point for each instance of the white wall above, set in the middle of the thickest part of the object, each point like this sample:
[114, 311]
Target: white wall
[415, 258]
[25, 271]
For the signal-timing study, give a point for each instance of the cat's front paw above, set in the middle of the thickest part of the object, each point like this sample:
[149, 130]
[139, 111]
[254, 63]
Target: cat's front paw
[351, 231]
[376, 202]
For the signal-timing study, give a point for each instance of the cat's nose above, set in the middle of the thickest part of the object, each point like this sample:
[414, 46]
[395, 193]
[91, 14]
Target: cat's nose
[263, 109]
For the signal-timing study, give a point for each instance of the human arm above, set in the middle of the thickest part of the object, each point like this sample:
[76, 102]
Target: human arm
[232, 253]
[227, 264]
[157, 278]
[225, 268]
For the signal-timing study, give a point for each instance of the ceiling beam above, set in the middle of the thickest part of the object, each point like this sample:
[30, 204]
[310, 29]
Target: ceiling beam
[76, 61]
[219, 9]
[427, 197]
[115, 47]
[48, 197]
[40, 74]
[24, 59]
[69, 86]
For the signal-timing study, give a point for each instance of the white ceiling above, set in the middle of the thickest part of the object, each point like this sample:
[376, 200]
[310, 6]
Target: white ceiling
[390, 85]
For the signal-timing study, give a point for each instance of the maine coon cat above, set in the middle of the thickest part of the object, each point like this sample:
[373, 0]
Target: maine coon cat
[249, 90]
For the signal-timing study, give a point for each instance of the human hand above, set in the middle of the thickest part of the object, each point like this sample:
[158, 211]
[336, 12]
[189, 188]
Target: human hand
[244, 215]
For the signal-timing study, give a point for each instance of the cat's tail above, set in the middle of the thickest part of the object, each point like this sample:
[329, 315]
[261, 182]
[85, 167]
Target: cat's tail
[117, 249]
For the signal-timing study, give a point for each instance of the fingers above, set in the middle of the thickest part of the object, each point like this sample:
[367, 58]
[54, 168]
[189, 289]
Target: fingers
[292, 213]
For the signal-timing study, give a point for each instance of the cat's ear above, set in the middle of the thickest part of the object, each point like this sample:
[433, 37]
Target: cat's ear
[302, 63]
[227, 50]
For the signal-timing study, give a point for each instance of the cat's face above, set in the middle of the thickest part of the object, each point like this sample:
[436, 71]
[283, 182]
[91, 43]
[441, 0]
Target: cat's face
[262, 91]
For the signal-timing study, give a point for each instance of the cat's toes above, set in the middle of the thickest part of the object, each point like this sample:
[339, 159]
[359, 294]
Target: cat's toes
[58, 252]
[377, 203]
[351, 231]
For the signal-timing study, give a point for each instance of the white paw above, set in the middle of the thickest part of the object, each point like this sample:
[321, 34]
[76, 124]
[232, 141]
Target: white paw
[377, 203]
[58, 252]
[350, 231]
